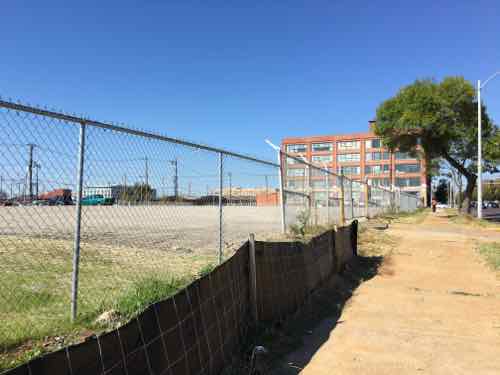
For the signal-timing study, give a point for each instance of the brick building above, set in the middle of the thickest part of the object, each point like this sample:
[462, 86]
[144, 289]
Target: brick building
[359, 156]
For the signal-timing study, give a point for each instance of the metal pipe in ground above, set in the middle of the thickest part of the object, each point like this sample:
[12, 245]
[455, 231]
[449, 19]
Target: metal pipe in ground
[78, 220]
[221, 185]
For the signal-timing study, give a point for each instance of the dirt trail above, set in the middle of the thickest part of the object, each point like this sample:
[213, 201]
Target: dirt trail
[434, 308]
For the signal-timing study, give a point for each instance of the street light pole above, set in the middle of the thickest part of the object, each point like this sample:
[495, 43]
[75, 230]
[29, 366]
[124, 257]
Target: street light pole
[479, 155]
[479, 146]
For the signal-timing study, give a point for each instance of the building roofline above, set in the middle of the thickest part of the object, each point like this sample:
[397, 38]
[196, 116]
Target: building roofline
[337, 137]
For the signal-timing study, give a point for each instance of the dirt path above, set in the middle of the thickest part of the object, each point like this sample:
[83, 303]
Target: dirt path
[434, 308]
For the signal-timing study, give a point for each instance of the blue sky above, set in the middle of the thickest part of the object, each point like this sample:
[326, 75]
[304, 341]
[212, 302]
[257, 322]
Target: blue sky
[233, 73]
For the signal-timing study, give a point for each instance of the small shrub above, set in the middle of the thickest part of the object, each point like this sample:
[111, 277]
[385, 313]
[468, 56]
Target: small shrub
[300, 229]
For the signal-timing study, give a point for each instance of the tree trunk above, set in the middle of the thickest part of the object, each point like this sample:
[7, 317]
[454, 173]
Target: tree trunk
[469, 189]
[471, 181]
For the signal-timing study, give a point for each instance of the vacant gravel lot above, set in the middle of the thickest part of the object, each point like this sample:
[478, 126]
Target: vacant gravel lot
[167, 227]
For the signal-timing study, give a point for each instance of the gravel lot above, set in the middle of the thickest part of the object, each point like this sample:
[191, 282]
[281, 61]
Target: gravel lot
[167, 227]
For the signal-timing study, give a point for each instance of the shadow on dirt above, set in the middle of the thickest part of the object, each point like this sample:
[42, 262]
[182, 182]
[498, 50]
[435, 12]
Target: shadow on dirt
[312, 325]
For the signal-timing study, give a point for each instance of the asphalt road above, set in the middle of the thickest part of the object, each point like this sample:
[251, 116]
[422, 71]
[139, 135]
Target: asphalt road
[490, 214]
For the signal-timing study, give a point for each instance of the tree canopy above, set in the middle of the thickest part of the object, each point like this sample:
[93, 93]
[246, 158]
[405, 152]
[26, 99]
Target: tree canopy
[441, 117]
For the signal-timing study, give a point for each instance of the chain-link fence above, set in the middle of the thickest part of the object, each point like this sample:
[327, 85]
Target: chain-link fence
[315, 195]
[89, 209]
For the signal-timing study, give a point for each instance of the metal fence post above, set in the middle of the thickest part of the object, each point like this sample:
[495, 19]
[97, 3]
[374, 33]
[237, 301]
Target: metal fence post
[327, 197]
[78, 220]
[253, 278]
[352, 201]
[221, 186]
[282, 191]
[342, 213]
[367, 200]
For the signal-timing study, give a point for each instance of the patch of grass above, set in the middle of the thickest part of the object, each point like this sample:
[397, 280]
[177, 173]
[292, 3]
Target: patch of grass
[145, 292]
[35, 289]
[206, 269]
[465, 219]
[491, 253]
[416, 217]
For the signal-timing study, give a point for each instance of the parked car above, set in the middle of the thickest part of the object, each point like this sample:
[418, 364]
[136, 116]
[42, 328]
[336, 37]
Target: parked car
[60, 201]
[40, 202]
[493, 205]
[97, 200]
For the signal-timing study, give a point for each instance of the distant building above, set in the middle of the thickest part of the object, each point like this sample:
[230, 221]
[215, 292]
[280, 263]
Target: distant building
[113, 191]
[267, 199]
[359, 156]
[105, 191]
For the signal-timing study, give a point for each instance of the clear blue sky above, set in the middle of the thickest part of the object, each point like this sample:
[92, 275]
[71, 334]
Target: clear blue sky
[232, 75]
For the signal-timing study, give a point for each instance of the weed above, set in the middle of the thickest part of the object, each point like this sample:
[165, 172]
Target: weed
[300, 229]
[206, 269]
[145, 292]
[491, 253]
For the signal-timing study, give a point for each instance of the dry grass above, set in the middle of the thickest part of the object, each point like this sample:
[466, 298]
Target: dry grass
[464, 219]
[491, 253]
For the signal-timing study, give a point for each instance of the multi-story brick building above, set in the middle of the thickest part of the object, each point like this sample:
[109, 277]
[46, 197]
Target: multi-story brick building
[359, 156]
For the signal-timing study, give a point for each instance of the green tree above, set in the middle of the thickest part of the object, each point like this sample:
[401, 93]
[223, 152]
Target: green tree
[441, 193]
[139, 192]
[442, 119]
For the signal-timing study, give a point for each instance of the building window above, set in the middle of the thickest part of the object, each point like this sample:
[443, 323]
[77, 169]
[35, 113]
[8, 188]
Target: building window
[320, 197]
[407, 168]
[347, 157]
[373, 143]
[377, 156]
[318, 184]
[404, 156]
[316, 172]
[349, 170]
[295, 199]
[408, 182]
[384, 182]
[321, 158]
[295, 184]
[377, 169]
[296, 148]
[297, 160]
[320, 147]
[348, 145]
[295, 172]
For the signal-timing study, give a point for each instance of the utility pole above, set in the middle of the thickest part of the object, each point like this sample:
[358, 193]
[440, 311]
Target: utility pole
[230, 175]
[176, 178]
[479, 146]
[30, 170]
[267, 186]
[37, 166]
[146, 177]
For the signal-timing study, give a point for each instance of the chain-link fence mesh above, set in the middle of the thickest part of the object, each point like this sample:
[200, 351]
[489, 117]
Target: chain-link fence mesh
[315, 195]
[152, 209]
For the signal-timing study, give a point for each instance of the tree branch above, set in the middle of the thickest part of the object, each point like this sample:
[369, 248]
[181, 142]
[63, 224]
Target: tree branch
[459, 167]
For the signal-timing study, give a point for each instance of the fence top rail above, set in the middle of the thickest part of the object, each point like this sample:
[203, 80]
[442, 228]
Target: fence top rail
[123, 129]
